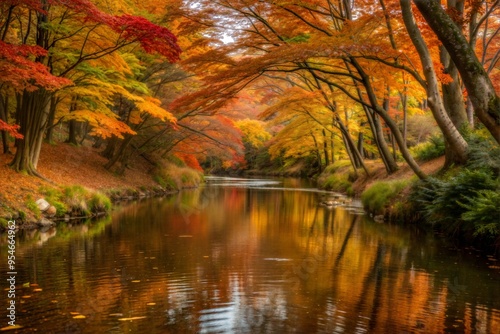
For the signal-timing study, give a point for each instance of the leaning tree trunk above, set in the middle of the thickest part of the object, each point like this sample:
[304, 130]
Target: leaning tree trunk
[32, 111]
[454, 105]
[452, 136]
[479, 86]
[388, 121]
[390, 164]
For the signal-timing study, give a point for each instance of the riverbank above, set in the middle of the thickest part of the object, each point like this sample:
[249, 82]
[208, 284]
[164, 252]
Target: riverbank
[462, 202]
[76, 174]
[344, 181]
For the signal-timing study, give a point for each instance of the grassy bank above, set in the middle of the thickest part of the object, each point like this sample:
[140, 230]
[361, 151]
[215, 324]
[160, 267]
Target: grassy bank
[77, 185]
[461, 202]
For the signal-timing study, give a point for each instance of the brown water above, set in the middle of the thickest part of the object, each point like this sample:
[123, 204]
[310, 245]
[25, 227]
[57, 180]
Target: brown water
[248, 258]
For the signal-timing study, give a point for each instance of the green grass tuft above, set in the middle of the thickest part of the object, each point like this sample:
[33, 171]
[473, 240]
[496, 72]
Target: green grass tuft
[376, 198]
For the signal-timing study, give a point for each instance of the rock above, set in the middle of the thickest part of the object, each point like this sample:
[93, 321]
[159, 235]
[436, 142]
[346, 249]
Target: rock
[51, 212]
[42, 204]
[379, 218]
[44, 222]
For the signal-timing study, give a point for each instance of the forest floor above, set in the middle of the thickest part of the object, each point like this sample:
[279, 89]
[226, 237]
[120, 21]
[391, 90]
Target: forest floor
[378, 173]
[66, 165]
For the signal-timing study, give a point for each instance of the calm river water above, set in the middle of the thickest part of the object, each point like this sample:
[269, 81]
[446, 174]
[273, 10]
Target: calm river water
[240, 256]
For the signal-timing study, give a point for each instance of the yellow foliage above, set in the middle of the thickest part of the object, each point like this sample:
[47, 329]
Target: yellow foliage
[253, 131]
[151, 106]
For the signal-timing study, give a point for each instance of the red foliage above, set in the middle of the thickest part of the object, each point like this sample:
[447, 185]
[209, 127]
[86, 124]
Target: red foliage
[22, 73]
[152, 37]
[190, 160]
[11, 129]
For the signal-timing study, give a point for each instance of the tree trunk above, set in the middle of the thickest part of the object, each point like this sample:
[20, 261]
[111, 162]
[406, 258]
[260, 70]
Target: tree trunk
[120, 153]
[4, 103]
[31, 113]
[389, 121]
[350, 155]
[109, 151]
[74, 130]
[325, 148]
[477, 82]
[451, 134]
[360, 145]
[351, 147]
[375, 126]
[50, 120]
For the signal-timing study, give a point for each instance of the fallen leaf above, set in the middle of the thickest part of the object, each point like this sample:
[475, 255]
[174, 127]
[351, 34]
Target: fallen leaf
[80, 316]
[9, 328]
[130, 319]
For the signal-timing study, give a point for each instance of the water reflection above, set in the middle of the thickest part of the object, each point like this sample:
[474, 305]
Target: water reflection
[249, 260]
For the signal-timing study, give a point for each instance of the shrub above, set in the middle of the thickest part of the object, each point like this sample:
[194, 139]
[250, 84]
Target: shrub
[465, 202]
[376, 198]
[483, 211]
[484, 154]
[429, 150]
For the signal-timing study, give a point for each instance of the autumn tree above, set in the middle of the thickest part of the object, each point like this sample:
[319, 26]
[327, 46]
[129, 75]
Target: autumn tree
[479, 86]
[65, 35]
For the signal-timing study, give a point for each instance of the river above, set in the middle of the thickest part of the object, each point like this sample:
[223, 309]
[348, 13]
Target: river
[248, 256]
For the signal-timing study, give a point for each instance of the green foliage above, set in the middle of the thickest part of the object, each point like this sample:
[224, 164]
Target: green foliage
[22, 215]
[99, 203]
[377, 197]
[302, 38]
[336, 166]
[339, 183]
[484, 212]
[76, 199]
[467, 202]
[54, 197]
[3, 223]
[33, 207]
[429, 150]
[175, 161]
[484, 153]
[337, 177]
